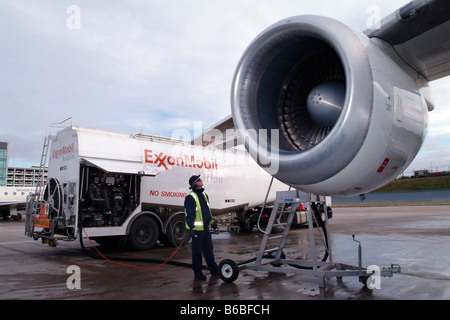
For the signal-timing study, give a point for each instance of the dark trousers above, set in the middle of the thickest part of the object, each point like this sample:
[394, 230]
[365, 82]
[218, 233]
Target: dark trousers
[203, 244]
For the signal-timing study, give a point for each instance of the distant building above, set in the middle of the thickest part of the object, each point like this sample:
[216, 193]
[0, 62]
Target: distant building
[24, 176]
[3, 162]
[421, 173]
[17, 176]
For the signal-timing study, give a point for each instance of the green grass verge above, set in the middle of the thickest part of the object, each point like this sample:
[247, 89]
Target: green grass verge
[430, 183]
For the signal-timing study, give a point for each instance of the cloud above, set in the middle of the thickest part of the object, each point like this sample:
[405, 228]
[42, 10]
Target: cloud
[435, 152]
[141, 65]
[439, 117]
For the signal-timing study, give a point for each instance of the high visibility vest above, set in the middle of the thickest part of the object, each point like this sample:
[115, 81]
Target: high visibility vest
[198, 222]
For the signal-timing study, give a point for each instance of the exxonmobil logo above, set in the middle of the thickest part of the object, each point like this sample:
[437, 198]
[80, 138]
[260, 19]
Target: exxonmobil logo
[163, 160]
[62, 151]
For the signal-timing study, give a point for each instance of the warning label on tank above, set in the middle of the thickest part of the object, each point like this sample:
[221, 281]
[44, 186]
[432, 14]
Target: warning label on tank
[43, 223]
[170, 194]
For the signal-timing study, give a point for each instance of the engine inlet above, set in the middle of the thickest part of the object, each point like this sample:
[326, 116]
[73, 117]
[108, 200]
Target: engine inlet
[312, 99]
[306, 81]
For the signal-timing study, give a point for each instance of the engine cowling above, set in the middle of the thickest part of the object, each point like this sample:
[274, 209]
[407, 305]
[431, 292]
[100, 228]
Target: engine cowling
[348, 118]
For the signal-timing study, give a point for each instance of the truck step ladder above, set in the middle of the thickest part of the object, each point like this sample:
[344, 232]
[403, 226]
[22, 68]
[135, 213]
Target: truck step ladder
[44, 157]
[34, 200]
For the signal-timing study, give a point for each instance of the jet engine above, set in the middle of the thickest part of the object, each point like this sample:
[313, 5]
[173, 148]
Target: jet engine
[341, 114]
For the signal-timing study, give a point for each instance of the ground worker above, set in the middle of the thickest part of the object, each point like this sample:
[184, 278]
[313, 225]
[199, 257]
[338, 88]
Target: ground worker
[198, 218]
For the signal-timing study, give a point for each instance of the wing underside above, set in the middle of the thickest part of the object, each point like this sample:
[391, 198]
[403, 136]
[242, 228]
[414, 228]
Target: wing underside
[419, 32]
[221, 135]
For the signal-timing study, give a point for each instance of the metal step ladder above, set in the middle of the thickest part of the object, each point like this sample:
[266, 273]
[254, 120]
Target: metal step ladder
[34, 200]
[281, 217]
[44, 157]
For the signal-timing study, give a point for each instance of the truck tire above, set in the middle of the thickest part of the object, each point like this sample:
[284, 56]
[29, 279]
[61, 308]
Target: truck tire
[176, 231]
[248, 222]
[143, 233]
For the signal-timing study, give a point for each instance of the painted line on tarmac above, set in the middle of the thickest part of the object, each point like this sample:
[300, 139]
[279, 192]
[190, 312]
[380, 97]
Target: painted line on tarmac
[17, 242]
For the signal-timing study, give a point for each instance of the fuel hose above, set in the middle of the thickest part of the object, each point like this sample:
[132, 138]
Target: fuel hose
[114, 260]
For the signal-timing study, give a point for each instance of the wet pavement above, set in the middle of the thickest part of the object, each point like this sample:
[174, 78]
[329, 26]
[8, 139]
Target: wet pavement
[417, 238]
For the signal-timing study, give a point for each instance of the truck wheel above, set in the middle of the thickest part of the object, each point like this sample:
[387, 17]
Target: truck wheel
[248, 223]
[229, 270]
[143, 234]
[176, 231]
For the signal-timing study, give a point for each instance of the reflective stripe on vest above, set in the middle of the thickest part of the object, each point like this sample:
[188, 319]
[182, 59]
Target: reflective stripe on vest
[198, 222]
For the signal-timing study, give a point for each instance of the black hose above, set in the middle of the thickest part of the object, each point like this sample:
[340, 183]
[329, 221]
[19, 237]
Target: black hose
[246, 261]
[321, 224]
[266, 256]
[324, 229]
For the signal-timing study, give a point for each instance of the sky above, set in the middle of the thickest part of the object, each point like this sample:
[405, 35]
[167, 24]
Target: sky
[150, 65]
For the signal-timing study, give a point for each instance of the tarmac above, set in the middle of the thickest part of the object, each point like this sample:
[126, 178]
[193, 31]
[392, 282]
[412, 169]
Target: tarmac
[415, 237]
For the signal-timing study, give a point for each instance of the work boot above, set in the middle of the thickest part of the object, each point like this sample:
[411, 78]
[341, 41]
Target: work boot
[201, 277]
[214, 277]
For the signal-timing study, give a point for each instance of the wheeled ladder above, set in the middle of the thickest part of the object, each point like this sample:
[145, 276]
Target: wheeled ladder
[282, 215]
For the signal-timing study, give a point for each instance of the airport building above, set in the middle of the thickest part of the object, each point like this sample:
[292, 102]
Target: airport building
[17, 176]
[3, 163]
[24, 176]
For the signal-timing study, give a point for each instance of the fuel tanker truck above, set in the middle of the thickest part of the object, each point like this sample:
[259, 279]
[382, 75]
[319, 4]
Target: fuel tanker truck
[131, 188]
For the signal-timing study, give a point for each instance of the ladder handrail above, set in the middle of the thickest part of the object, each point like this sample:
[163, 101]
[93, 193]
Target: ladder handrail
[44, 156]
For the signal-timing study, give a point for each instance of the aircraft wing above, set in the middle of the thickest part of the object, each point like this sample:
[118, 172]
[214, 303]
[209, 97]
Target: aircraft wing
[221, 135]
[419, 32]
[11, 205]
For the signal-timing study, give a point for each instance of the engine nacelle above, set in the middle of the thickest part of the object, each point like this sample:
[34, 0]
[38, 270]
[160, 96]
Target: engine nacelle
[349, 118]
